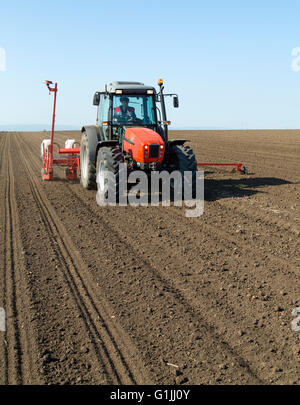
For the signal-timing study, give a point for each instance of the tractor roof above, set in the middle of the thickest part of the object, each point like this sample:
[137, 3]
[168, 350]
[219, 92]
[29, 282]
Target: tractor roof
[127, 86]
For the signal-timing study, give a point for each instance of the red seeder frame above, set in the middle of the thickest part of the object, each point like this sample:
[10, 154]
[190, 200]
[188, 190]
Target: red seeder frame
[71, 158]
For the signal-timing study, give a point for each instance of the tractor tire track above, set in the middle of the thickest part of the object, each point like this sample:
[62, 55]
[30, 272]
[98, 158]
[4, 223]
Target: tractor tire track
[4, 253]
[18, 340]
[120, 367]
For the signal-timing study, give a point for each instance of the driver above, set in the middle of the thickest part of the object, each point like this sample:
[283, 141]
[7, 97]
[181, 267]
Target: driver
[123, 112]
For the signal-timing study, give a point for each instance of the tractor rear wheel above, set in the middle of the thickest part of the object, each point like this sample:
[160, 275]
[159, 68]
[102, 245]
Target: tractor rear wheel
[184, 159]
[108, 160]
[87, 166]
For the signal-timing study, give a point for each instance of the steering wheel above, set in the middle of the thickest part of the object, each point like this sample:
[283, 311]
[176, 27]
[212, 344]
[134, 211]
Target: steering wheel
[128, 118]
[124, 118]
[137, 120]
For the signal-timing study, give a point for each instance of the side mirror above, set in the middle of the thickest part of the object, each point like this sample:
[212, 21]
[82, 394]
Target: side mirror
[175, 102]
[96, 98]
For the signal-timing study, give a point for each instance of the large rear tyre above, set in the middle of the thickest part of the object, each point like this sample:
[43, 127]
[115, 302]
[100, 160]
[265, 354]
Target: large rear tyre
[184, 159]
[108, 160]
[87, 166]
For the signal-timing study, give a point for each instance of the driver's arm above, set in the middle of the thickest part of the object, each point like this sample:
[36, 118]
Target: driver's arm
[132, 112]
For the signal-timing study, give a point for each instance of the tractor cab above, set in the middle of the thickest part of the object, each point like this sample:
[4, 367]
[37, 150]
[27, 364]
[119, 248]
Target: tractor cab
[123, 105]
[133, 110]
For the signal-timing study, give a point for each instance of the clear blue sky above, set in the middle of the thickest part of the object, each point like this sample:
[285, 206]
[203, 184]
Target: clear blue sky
[229, 61]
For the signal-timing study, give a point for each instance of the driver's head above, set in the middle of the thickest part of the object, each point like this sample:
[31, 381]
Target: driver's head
[124, 101]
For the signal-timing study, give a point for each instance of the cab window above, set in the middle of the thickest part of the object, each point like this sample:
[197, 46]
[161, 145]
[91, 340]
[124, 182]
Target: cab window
[103, 108]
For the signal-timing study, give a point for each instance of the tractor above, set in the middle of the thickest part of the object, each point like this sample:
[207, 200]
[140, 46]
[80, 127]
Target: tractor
[131, 128]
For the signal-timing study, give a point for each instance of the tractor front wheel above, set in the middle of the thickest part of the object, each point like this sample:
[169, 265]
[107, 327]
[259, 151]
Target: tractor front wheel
[108, 161]
[87, 166]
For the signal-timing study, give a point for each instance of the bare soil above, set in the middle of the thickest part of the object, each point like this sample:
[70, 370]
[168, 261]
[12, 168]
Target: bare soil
[144, 295]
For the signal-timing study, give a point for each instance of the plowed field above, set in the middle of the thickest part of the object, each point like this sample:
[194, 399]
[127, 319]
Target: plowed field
[145, 295]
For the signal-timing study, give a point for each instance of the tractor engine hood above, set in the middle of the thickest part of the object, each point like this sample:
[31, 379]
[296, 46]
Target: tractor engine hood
[144, 145]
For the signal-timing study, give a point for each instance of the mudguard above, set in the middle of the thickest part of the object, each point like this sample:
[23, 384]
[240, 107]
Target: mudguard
[112, 142]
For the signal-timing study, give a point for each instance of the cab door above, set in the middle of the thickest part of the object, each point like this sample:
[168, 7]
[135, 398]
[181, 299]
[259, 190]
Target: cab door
[103, 115]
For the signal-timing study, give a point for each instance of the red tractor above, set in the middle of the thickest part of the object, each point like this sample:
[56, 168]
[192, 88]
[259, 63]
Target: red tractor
[131, 127]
